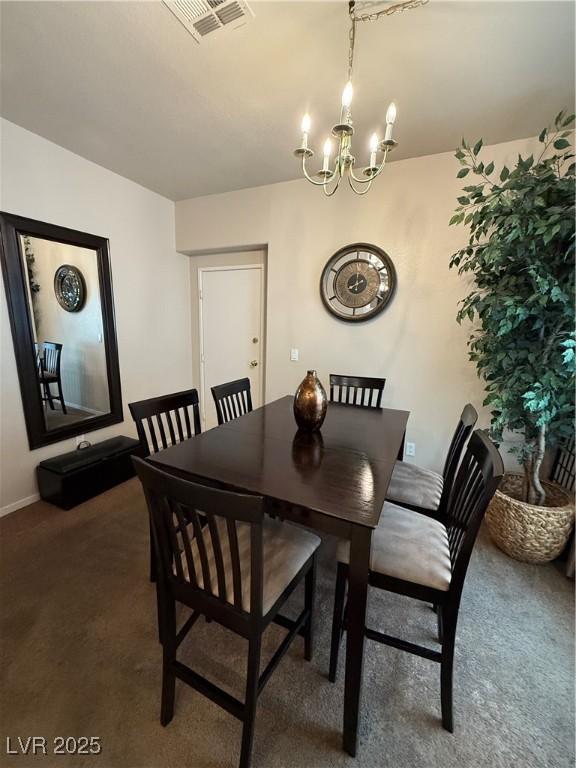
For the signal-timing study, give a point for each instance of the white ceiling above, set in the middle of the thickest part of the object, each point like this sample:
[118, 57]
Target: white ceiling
[123, 84]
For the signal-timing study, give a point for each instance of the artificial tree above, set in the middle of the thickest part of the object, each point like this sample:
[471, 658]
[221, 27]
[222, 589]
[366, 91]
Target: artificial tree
[520, 253]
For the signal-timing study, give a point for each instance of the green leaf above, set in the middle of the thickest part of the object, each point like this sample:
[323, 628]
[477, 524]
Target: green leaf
[568, 120]
[504, 173]
[561, 144]
[462, 172]
[478, 146]
[489, 168]
[543, 134]
[464, 200]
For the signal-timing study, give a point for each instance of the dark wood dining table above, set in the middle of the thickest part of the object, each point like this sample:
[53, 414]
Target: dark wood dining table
[334, 481]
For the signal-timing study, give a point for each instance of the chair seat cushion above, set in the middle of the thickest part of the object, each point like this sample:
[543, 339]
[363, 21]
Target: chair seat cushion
[285, 549]
[415, 486]
[408, 546]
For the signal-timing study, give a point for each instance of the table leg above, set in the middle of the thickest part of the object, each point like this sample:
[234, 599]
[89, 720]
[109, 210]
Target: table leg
[360, 545]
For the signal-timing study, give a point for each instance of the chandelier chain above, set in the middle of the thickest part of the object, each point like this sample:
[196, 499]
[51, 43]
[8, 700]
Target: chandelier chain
[406, 5]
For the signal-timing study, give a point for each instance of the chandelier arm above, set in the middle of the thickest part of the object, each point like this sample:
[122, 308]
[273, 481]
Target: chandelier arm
[358, 191]
[334, 188]
[307, 175]
[374, 175]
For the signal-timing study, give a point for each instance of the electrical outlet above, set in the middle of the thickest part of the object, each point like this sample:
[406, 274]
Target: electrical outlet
[410, 449]
[294, 355]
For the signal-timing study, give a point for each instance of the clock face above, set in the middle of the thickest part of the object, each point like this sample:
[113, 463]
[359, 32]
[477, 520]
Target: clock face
[357, 282]
[69, 288]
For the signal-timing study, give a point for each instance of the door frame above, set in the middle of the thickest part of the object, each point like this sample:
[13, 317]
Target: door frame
[229, 268]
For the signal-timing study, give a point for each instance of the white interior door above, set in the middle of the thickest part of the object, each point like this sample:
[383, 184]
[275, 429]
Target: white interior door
[231, 325]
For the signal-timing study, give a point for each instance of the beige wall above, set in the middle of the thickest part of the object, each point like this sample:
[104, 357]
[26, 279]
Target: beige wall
[151, 286]
[415, 343]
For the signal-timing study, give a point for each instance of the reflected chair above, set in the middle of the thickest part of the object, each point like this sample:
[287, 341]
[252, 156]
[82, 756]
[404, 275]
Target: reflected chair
[425, 491]
[162, 422]
[238, 569]
[418, 557]
[49, 373]
[356, 390]
[232, 400]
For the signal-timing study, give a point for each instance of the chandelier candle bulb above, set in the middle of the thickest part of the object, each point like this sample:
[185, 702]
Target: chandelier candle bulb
[390, 119]
[373, 150]
[347, 94]
[327, 153]
[306, 122]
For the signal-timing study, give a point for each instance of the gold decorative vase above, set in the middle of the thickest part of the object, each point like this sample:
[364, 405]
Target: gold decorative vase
[310, 403]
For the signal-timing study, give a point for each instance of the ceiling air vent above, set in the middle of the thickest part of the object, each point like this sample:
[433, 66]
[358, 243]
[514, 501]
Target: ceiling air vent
[203, 17]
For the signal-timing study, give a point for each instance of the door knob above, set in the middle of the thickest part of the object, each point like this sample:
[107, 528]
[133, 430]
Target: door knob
[253, 363]
[255, 340]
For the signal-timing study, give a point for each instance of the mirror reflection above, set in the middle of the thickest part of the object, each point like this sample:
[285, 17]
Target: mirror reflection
[69, 351]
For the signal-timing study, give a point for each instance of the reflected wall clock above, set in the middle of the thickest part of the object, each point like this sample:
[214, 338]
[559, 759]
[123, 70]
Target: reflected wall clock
[357, 282]
[70, 288]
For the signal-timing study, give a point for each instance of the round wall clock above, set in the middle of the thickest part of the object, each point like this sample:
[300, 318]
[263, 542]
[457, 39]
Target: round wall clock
[357, 282]
[69, 288]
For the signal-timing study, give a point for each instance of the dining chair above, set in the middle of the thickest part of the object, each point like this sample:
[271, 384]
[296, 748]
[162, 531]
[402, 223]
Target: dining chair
[238, 570]
[356, 390]
[423, 490]
[164, 421]
[49, 373]
[232, 400]
[422, 558]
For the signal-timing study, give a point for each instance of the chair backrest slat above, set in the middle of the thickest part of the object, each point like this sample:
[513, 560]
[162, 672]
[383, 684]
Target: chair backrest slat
[212, 548]
[201, 544]
[182, 526]
[478, 477]
[218, 559]
[232, 400]
[52, 358]
[179, 425]
[154, 421]
[235, 559]
[466, 424]
[361, 391]
[161, 429]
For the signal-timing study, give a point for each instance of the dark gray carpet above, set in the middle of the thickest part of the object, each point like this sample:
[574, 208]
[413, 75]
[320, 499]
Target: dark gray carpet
[80, 657]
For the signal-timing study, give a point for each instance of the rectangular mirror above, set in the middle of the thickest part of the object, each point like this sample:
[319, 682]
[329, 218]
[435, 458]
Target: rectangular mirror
[59, 291]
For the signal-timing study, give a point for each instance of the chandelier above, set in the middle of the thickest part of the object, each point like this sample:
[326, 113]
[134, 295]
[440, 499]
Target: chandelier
[330, 177]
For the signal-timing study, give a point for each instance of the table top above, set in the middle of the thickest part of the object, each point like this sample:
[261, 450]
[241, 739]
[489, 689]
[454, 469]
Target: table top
[342, 471]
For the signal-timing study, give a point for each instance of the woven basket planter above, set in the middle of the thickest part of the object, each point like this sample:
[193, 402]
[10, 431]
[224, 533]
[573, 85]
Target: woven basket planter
[525, 531]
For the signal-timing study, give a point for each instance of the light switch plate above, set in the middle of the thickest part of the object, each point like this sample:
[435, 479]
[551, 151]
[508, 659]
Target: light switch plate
[410, 449]
[294, 355]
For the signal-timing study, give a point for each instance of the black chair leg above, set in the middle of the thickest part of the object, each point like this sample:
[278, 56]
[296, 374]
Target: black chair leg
[309, 590]
[440, 624]
[250, 701]
[167, 614]
[152, 557]
[446, 669]
[337, 620]
[48, 394]
[61, 397]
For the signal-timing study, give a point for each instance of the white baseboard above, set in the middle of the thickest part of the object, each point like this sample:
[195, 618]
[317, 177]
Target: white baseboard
[19, 504]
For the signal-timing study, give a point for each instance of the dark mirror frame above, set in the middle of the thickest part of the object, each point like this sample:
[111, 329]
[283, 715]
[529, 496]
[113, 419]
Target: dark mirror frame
[14, 271]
